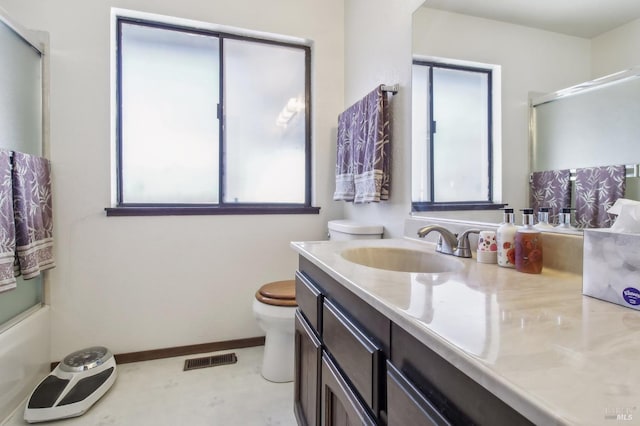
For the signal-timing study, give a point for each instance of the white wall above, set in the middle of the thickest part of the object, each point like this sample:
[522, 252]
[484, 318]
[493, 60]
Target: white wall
[532, 61]
[616, 50]
[139, 283]
[378, 50]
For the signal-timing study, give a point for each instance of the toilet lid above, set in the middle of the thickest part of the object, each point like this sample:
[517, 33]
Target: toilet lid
[278, 293]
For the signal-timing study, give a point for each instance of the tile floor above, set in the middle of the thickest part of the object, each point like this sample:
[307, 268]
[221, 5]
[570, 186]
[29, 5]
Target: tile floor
[159, 393]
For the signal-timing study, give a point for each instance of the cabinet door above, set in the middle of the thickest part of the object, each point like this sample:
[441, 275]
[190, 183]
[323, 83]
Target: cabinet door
[354, 352]
[340, 406]
[406, 405]
[307, 374]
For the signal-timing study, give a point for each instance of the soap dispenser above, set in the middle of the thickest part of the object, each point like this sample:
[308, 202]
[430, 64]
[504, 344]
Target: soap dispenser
[528, 242]
[543, 219]
[505, 237]
[565, 220]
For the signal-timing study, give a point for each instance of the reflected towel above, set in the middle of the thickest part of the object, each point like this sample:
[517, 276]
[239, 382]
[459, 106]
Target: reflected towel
[597, 189]
[363, 148]
[7, 225]
[552, 189]
[33, 214]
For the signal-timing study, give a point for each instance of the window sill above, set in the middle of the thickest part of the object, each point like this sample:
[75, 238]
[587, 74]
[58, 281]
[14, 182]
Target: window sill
[435, 207]
[208, 210]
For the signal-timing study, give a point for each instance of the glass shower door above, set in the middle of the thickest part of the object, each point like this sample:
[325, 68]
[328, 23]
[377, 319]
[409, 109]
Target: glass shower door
[21, 116]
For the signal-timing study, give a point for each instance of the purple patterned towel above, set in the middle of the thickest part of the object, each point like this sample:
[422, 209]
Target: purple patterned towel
[551, 189]
[597, 188]
[7, 225]
[33, 214]
[363, 148]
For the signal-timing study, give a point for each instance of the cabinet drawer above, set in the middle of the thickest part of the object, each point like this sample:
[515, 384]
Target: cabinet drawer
[309, 300]
[354, 353]
[406, 405]
[340, 406]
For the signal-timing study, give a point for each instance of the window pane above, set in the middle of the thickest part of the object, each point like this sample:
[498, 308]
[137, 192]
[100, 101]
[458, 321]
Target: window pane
[461, 141]
[420, 160]
[264, 123]
[170, 93]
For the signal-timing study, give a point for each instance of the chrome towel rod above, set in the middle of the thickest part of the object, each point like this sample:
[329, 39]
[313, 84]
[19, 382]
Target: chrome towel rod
[632, 171]
[393, 89]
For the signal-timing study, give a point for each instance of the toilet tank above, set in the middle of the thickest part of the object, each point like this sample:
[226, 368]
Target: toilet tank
[353, 230]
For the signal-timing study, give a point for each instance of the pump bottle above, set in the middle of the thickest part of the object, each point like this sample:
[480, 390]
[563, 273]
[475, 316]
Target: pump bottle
[565, 220]
[528, 243]
[505, 237]
[543, 219]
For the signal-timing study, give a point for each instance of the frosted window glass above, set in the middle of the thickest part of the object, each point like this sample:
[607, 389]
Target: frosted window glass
[170, 93]
[460, 144]
[264, 123]
[20, 130]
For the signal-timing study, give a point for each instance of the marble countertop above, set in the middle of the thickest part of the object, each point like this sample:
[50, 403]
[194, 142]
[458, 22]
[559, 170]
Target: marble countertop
[535, 341]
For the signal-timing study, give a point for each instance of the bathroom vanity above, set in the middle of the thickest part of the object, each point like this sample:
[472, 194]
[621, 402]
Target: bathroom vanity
[464, 343]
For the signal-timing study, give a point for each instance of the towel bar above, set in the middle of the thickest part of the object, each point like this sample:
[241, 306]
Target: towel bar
[633, 171]
[393, 89]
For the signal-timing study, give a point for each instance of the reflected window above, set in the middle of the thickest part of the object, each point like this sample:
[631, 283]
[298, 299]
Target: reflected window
[210, 119]
[452, 137]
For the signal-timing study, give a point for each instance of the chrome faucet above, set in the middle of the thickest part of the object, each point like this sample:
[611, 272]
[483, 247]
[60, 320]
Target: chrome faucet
[448, 242]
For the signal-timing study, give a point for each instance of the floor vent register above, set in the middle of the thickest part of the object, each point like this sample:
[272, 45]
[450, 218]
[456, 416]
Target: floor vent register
[210, 361]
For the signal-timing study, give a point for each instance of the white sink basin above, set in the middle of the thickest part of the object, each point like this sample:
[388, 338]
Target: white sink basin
[402, 260]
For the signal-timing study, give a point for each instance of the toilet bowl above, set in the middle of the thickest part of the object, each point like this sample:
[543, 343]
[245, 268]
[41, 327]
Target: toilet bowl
[274, 306]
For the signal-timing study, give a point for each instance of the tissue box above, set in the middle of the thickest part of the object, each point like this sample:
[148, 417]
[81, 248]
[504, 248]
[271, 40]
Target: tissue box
[611, 268]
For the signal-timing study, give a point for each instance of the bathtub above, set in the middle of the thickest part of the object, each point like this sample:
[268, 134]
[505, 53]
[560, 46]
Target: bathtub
[25, 357]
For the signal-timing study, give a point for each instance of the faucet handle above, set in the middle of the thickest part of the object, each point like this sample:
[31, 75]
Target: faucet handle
[464, 246]
[443, 246]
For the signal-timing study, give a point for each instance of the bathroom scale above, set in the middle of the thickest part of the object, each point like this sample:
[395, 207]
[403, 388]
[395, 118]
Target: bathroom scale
[73, 386]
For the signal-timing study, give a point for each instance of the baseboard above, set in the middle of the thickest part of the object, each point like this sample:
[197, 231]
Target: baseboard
[184, 350]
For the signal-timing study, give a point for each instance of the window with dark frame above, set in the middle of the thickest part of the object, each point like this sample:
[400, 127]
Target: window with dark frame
[210, 122]
[452, 115]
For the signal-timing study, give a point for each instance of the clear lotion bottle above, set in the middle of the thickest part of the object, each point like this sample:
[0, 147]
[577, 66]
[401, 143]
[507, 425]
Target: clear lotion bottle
[505, 237]
[543, 219]
[528, 242]
[565, 220]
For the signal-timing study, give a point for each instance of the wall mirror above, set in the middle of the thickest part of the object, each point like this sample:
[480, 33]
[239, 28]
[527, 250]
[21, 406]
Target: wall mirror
[574, 54]
[591, 124]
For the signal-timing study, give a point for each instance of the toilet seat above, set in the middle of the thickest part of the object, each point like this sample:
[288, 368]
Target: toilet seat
[278, 293]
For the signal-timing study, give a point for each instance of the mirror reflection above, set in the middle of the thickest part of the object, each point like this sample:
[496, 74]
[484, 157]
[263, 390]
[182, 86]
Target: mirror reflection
[527, 61]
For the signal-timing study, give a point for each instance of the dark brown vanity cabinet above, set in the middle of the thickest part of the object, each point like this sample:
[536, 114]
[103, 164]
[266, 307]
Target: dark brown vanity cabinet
[354, 366]
[339, 361]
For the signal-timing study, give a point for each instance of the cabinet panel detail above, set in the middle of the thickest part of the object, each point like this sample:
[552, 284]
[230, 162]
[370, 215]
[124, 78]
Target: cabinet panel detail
[309, 300]
[307, 373]
[406, 405]
[354, 352]
[340, 406]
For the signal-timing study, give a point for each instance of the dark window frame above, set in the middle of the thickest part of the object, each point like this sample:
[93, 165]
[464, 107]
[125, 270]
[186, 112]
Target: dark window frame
[222, 207]
[488, 204]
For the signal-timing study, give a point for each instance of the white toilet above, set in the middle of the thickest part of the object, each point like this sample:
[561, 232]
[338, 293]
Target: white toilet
[274, 307]
[351, 230]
